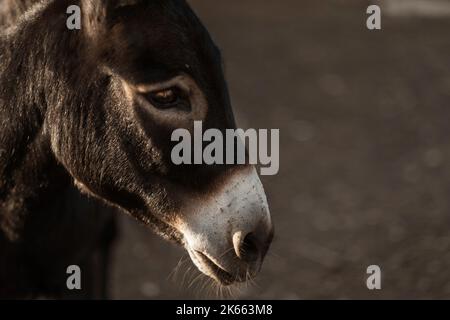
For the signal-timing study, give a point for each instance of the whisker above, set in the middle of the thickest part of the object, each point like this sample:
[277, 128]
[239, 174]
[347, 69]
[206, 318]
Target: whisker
[205, 286]
[183, 282]
[195, 279]
[172, 275]
[272, 253]
[226, 251]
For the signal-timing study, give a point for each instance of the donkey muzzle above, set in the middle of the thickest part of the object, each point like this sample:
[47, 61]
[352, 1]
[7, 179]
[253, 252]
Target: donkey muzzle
[228, 235]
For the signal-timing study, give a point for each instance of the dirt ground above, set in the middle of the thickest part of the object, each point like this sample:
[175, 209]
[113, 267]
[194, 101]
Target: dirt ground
[364, 175]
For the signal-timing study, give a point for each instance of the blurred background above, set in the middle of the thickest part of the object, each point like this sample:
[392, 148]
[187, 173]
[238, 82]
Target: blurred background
[364, 176]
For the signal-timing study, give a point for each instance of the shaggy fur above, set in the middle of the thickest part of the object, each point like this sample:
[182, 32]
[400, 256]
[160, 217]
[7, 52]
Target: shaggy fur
[64, 120]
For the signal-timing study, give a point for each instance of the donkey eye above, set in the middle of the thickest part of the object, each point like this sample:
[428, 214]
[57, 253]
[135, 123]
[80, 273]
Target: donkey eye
[168, 98]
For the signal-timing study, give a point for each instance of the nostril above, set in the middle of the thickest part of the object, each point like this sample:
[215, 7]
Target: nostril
[250, 248]
[246, 248]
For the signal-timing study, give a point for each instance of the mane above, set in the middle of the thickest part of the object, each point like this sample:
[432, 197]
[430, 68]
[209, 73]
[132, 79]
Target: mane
[32, 50]
[12, 10]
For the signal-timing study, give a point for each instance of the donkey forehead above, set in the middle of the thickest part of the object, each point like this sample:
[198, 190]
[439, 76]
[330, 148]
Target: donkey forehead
[164, 38]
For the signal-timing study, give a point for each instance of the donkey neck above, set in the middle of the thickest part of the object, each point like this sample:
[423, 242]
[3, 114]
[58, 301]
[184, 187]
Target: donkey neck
[31, 77]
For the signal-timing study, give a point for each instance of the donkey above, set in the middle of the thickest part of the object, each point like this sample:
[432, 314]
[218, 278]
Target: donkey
[86, 118]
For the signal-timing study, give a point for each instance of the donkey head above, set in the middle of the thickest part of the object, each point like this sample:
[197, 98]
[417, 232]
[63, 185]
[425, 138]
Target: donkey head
[148, 68]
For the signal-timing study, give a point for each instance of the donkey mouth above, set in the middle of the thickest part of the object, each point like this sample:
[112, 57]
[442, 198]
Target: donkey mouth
[211, 269]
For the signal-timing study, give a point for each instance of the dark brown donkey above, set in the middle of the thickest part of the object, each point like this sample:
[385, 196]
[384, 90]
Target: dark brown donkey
[92, 110]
